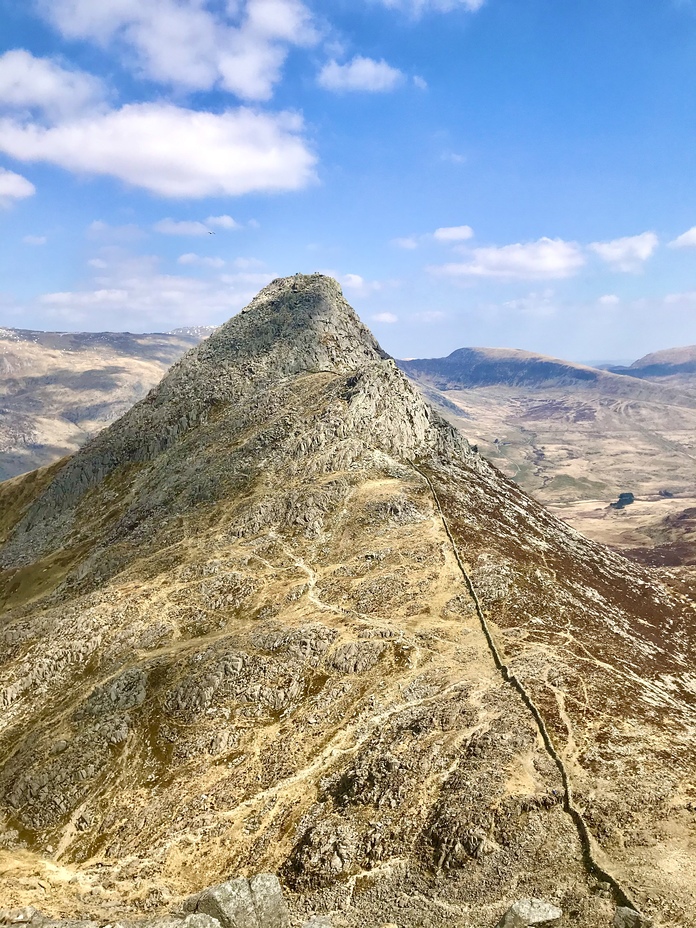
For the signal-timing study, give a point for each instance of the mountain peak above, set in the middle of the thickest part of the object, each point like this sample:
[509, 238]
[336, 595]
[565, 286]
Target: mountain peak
[295, 324]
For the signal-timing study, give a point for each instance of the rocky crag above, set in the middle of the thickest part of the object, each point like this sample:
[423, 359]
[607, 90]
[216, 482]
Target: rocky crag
[280, 617]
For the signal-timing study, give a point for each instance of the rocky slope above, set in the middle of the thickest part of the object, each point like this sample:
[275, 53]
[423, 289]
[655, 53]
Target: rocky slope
[575, 438]
[281, 617]
[57, 389]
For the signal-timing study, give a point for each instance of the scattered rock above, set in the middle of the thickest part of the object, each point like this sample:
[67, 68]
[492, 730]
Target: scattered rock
[629, 918]
[527, 912]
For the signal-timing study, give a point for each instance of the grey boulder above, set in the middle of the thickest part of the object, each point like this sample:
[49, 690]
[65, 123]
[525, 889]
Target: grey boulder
[526, 912]
[267, 896]
[230, 903]
[629, 918]
[241, 903]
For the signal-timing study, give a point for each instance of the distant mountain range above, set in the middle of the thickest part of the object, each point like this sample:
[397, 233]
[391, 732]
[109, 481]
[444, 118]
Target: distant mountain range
[572, 435]
[57, 389]
[576, 437]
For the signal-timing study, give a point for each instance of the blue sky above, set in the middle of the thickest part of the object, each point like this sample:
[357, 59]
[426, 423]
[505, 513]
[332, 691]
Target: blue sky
[475, 172]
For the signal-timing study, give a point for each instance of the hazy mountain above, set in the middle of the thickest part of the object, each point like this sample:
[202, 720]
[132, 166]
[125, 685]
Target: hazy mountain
[281, 617]
[57, 389]
[672, 362]
[576, 438]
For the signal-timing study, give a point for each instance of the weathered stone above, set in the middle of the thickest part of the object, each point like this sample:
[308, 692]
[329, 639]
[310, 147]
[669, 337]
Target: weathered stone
[22, 916]
[526, 912]
[200, 920]
[267, 896]
[231, 904]
[629, 918]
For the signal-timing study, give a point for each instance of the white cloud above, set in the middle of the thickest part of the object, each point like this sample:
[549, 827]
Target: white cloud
[193, 43]
[171, 151]
[197, 260]
[418, 7]
[629, 253]
[30, 83]
[34, 240]
[420, 82]
[14, 187]
[360, 74]
[545, 259]
[609, 299]
[453, 234]
[388, 318]
[686, 240]
[537, 305]
[409, 243]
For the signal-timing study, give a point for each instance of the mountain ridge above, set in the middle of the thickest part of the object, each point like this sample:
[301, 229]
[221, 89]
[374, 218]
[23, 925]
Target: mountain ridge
[244, 643]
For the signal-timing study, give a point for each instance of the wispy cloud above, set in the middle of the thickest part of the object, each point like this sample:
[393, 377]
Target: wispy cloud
[629, 253]
[129, 292]
[200, 261]
[14, 187]
[34, 240]
[360, 74]
[685, 240]
[387, 318]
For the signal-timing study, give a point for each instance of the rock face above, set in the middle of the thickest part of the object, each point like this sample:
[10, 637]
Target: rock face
[281, 618]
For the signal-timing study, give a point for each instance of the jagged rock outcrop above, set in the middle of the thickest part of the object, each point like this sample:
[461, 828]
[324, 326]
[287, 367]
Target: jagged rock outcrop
[280, 617]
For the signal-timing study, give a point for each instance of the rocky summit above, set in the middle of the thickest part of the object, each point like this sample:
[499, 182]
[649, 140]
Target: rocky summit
[280, 618]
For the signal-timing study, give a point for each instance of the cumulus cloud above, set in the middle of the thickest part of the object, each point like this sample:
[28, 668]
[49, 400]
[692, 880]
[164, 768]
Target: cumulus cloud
[408, 243]
[545, 259]
[194, 43]
[172, 151]
[29, 83]
[609, 299]
[388, 318]
[686, 240]
[453, 234]
[364, 74]
[629, 253]
[14, 187]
